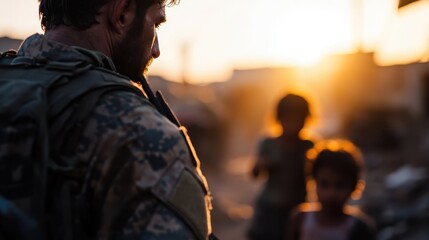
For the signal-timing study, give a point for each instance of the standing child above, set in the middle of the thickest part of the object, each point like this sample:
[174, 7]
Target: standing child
[283, 158]
[337, 167]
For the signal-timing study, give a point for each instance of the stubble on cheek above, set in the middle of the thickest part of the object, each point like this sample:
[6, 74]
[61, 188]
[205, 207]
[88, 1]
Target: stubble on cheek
[146, 67]
[129, 57]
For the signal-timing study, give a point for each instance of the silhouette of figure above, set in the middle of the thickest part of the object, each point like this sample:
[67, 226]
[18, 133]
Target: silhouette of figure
[283, 158]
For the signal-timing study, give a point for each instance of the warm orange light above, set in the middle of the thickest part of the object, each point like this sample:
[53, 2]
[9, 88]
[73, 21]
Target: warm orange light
[407, 38]
[248, 34]
[307, 32]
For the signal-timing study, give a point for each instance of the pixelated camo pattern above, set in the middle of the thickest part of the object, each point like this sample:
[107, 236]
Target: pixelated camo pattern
[126, 146]
[135, 146]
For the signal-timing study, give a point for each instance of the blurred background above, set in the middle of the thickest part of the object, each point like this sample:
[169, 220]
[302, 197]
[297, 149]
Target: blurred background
[362, 64]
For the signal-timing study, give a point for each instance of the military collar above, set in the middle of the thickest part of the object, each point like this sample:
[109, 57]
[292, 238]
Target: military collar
[40, 48]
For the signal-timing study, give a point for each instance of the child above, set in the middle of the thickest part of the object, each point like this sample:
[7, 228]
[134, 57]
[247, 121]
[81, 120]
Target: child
[283, 158]
[337, 167]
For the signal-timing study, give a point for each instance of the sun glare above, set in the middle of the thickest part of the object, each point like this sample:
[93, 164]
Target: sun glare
[306, 33]
[407, 38]
[252, 34]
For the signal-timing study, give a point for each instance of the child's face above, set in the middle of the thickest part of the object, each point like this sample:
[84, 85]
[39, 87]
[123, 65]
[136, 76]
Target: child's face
[292, 123]
[333, 189]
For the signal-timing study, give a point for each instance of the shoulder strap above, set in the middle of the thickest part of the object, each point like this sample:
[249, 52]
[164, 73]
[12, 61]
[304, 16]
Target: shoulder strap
[82, 84]
[72, 101]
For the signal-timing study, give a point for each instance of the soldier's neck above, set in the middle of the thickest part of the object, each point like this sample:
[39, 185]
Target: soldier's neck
[92, 38]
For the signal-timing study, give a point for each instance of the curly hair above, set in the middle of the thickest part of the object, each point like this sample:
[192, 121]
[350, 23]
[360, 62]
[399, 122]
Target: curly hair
[80, 14]
[340, 155]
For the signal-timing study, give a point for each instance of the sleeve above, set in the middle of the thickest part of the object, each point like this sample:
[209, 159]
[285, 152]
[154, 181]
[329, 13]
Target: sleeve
[130, 146]
[263, 162]
[156, 222]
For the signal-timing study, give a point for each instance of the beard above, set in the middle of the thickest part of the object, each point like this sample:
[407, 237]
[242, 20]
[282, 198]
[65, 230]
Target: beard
[127, 61]
[146, 68]
[132, 55]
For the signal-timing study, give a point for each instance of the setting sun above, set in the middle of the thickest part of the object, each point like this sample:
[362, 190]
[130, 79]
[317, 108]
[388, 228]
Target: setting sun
[306, 32]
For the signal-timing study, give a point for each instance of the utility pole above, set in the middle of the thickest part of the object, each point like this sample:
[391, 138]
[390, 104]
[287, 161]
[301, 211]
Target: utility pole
[185, 62]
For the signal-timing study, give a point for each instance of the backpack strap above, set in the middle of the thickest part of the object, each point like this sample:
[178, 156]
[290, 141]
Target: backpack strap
[70, 104]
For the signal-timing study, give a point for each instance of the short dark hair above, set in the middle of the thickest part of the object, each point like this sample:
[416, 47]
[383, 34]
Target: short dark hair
[80, 14]
[340, 155]
[292, 104]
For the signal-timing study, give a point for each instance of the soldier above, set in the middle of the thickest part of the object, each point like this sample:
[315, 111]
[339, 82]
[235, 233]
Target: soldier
[124, 168]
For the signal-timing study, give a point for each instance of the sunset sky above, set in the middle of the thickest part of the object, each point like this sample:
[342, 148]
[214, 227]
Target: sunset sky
[221, 35]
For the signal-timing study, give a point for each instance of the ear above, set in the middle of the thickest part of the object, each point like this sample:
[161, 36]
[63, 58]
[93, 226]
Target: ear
[121, 14]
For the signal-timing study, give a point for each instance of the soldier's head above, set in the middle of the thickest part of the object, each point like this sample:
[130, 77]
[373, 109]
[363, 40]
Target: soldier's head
[128, 25]
[292, 111]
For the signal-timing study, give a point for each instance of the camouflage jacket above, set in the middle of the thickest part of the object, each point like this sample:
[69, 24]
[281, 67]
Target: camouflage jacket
[134, 162]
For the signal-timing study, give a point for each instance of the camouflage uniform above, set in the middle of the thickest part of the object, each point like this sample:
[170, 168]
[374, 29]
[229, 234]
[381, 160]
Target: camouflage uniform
[139, 178]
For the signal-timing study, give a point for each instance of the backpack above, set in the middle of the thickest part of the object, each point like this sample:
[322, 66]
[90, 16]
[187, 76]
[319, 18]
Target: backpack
[41, 101]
